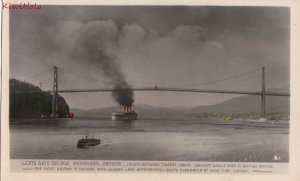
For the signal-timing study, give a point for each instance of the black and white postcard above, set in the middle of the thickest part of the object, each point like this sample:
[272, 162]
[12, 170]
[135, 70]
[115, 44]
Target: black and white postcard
[170, 89]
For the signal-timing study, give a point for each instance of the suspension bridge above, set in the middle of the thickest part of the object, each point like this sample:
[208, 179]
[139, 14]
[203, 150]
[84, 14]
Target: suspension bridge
[262, 93]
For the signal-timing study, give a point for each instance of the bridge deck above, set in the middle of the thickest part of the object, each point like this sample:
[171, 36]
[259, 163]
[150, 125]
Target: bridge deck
[166, 89]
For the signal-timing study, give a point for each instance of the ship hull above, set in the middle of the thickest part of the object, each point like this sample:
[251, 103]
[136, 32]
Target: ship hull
[123, 117]
[85, 143]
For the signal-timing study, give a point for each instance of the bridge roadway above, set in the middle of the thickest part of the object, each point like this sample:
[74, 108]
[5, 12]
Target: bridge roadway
[168, 89]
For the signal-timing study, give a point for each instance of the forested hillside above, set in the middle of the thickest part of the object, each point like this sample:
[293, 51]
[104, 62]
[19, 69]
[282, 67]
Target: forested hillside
[32, 102]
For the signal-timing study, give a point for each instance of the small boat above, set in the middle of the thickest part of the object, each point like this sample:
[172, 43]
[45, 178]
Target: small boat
[87, 142]
[228, 118]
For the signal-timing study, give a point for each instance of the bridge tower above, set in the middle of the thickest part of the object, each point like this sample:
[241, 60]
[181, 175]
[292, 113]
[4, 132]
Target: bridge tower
[263, 95]
[54, 93]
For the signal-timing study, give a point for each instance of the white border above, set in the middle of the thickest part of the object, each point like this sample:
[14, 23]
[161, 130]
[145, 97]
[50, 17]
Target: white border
[294, 173]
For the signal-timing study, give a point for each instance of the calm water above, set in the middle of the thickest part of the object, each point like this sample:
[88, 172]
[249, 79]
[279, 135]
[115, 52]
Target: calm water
[174, 139]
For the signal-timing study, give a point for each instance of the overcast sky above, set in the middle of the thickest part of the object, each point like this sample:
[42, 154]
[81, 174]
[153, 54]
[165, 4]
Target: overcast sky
[171, 46]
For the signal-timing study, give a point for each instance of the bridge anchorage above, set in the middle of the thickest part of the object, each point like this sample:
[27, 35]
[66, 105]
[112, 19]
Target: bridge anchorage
[261, 93]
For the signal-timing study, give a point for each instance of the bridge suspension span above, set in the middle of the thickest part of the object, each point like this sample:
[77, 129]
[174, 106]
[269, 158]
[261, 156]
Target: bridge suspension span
[263, 93]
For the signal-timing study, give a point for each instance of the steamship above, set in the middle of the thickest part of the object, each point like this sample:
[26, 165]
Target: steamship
[126, 115]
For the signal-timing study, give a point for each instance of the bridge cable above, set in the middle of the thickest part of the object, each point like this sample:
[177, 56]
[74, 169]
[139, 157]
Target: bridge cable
[84, 76]
[219, 80]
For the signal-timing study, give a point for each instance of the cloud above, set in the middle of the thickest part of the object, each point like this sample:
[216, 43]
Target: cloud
[132, 36]
[167, 46]
[186, 35]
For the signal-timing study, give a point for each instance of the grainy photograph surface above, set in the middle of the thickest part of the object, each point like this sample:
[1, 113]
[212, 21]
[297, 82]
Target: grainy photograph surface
[150, 83]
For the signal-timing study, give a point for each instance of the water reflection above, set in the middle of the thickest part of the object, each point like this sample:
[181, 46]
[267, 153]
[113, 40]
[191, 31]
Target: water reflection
[125, 124]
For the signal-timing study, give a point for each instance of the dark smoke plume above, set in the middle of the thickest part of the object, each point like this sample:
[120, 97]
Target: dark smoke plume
[94, 44]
